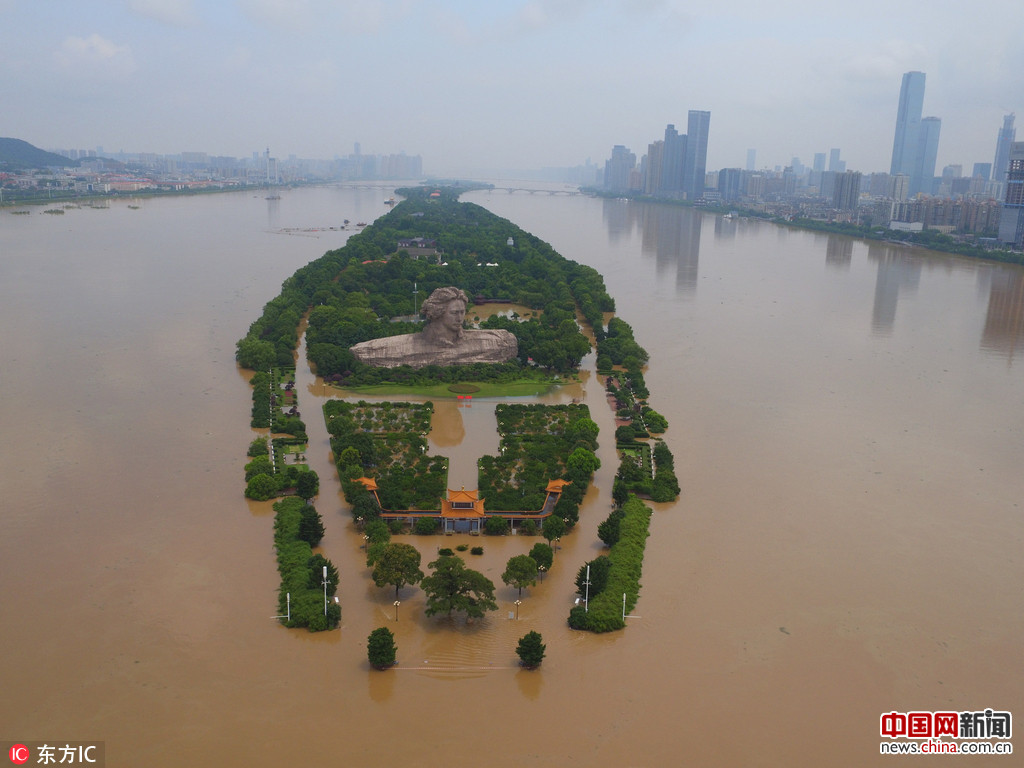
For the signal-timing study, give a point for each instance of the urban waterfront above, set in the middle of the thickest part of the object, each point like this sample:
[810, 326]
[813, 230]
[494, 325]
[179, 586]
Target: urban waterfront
[848, 426]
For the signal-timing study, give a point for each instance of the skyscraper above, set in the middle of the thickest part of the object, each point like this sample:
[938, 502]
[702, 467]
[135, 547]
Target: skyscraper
[654, 182]
[924, 159]
[751, 159]
[1006, 137]
[834, 163]
[908, 123]
[1011, 220]
[672, 159]
[695, 166]
[618, 167]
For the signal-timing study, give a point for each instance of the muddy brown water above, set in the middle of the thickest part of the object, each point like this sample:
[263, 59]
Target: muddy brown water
[848, 427]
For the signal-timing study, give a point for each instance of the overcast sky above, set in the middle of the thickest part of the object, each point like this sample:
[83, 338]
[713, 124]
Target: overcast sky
[483, 84]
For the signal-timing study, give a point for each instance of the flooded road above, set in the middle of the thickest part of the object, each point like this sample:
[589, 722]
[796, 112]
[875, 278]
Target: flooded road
[848, 427]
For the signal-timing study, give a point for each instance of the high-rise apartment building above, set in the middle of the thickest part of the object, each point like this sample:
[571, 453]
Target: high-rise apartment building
[1011, 220]
[908, 123]
[1006, 137]
[653, 181]
[695, 166]
[672, 160]
[846, 191]
[751, 159]
[618, 168]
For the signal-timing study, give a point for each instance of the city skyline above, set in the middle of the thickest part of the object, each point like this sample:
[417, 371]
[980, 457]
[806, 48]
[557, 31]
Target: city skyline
[473, 87]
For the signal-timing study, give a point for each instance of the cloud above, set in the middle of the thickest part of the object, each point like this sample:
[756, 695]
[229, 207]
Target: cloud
[95, 57]
[176, 12]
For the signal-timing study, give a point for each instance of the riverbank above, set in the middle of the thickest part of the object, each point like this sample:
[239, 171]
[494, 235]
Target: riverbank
[929, 238]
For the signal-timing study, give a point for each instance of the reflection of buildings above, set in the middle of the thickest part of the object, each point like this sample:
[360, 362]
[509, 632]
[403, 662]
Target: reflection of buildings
[670, 233]
[839, 252]
[1004, 322]
[618, 217]
[897, 272]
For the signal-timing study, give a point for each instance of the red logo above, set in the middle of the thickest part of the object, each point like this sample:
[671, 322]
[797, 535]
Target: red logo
[19, 754]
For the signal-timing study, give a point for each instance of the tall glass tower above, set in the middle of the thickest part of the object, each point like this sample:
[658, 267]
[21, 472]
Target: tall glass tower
[1006, 137]
[924, 159]
[908, 124]
[695, 167]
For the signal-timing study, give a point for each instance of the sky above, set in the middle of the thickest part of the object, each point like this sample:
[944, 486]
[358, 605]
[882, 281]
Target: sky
[477, 85]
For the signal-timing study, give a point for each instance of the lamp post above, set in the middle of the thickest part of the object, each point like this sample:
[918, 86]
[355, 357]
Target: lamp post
[517, 604]
[325, 590]
[397, 603]
[541, 569]
[366, 540]
[586, 598]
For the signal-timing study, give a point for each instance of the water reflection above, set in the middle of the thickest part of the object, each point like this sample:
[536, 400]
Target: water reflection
[530, 683]
[897, 271]
[839, 252]
[380, 684]
[725, 227]
[670, 233]
[1004, 322]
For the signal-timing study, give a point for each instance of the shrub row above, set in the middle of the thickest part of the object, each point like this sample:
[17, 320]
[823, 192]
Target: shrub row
[297, 528]
[626, 564]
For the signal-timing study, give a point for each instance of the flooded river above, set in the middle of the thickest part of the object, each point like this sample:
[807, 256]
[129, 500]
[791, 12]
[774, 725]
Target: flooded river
[848, 427]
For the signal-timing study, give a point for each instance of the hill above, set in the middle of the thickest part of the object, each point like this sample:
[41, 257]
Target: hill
[16, 154]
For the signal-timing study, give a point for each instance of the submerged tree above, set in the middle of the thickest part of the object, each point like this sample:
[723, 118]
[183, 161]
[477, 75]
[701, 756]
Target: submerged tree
[520, 571]
[398, 565]
[381, 649]
[454, 587]
[531, 650]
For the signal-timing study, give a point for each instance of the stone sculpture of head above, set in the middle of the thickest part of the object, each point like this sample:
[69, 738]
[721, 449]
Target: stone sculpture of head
[445, 309]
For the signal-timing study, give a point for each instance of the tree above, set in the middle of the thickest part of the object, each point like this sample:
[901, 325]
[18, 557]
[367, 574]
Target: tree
[307, 485]
[381, 649]
[608, 531]
[397, 564]
[543, 555]
[260, 465]
[583, 461]
[599, 570]
[316, 574]
[553, 528]
[425, 526]
[255, 354]
[376, 532]
[454, 587]
[311, 525]
[496, 525]
[531, 650]
[520, 571]
[261, 488]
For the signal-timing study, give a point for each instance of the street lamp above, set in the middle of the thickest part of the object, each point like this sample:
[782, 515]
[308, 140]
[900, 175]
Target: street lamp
[366, 540]
[586, 597]
[517, 604]
[325, 590]
[397, 603]
[541, 569]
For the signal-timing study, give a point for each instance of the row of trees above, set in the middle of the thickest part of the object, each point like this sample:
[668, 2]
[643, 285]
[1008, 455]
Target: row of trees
[615, 574]
[302, 597]
[382, 652]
